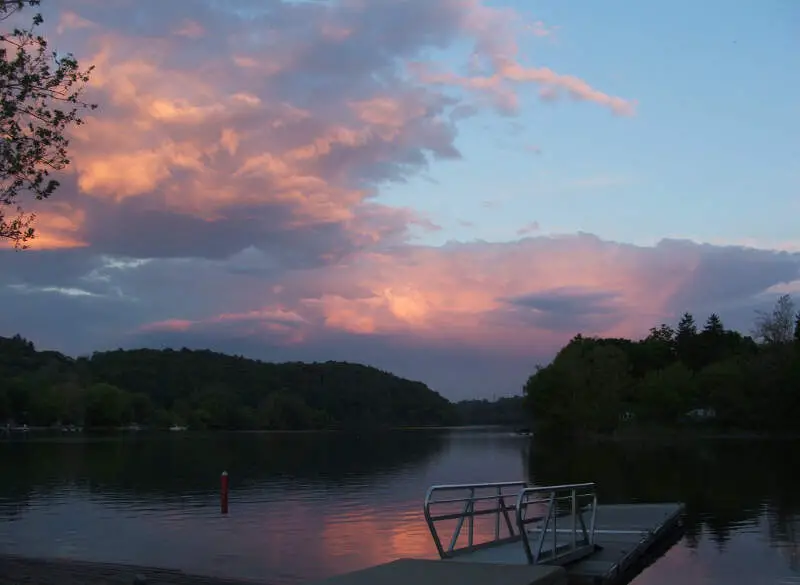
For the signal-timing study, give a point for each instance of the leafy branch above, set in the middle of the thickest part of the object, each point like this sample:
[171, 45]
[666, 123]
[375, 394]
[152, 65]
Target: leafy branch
[40, 99]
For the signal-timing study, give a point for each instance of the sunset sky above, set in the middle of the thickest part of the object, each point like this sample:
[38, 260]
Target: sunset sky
[446, 189]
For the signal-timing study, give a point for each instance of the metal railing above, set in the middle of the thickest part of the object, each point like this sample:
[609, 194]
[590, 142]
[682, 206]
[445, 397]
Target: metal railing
[466, 502]
[551, 503]
[554, 517]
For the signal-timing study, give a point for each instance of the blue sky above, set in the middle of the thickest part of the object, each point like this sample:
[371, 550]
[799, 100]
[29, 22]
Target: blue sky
[713, 152]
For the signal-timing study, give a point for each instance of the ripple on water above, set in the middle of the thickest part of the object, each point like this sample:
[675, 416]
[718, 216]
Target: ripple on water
[294, 519]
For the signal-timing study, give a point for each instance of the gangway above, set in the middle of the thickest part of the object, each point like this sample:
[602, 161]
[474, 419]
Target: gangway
[531, 524]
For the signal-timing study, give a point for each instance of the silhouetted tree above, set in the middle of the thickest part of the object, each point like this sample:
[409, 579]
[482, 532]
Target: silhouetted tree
[714, 325]
[687, 328]
[776, 327]
[797, 328]
[686, 341]
[39, 101]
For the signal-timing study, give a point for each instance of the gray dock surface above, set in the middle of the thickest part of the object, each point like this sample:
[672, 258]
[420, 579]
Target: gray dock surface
[623, 535]
[16, 570]
[437, 572]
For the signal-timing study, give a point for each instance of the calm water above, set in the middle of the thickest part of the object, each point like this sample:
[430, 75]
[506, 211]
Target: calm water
[306, 506]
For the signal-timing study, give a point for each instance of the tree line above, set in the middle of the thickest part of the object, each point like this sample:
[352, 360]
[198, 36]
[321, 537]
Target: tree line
[503, 411]
[678, 376]
[205, 390]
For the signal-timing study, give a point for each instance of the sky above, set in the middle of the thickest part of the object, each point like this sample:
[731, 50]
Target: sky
[445, 189]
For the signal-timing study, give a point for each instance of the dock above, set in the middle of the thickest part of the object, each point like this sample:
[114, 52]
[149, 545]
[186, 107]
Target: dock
[512, 533]
[623, 535]
[628, 538]
[17, 570]
[432, 572]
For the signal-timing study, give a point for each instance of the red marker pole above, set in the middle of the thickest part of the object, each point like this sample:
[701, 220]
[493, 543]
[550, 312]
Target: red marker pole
[223, 493]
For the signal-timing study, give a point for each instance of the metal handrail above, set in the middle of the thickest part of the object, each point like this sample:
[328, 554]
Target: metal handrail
[579, 496]
[477, 492]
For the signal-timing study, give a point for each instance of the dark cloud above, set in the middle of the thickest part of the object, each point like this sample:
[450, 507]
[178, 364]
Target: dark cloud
[726, 274]
[568, 310]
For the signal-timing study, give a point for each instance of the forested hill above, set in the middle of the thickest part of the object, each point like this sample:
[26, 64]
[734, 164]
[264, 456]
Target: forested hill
[205, 389]
[676, 377]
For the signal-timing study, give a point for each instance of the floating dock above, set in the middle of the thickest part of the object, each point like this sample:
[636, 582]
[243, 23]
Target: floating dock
[428, 572]
[535, 535]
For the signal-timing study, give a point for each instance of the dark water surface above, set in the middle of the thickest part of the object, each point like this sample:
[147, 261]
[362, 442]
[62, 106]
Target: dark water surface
[305, 506]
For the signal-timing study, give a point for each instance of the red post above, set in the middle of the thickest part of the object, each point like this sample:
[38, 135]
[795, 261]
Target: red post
[223, 499]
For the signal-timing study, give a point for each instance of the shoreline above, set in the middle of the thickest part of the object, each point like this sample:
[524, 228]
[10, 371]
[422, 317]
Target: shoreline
[17, 569]
[55, 431]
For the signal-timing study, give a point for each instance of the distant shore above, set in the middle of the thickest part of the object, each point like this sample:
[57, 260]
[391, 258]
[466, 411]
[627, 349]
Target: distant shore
[94, 431]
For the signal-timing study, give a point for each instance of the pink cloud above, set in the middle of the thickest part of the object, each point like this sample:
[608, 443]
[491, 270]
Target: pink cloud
[539, 291]
[190, 131]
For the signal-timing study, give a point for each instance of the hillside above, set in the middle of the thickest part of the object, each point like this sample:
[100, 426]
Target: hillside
[206, 390]
[706, 377]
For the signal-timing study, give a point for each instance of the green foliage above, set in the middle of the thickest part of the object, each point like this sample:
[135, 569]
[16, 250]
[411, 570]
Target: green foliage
[206, 390]
[503, 411]
[39, 101]
[713, 377]
[586, 384]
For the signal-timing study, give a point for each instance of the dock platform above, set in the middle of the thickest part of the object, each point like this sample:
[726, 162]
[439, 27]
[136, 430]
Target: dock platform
[536, 535]
[433, 572]
[626, 536]
[622, 536]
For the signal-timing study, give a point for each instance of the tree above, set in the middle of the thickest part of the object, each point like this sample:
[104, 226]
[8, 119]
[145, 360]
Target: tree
[714, 325]
[724, 392]
[663, 334]
[686, 342]
[106, 406]
[687, 328]
[582, 390]
[797, 328]
[40, 99]
[665, 395]
[777, 327]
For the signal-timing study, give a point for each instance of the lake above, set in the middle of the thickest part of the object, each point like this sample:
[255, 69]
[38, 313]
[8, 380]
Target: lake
[310, 505]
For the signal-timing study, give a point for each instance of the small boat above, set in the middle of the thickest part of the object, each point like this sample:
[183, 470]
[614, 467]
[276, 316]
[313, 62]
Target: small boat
[177, 428]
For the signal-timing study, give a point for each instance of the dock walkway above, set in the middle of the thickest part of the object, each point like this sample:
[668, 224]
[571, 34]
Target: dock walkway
[622, 534]
[434, 572]
[538, 535]
[626, 536]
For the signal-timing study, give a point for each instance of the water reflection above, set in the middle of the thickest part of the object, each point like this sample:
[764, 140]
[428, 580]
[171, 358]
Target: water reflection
[305, 506]
[725, 484]
[186, 467]
[302, 505]
[732, 488]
